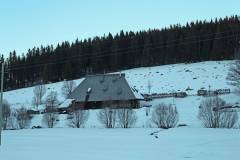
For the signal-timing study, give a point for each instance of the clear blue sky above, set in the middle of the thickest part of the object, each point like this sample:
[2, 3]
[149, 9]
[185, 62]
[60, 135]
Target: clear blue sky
[28, 23]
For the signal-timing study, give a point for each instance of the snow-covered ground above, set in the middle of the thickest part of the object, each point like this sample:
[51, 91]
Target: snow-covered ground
[118, 144]
[95, 142]
[177, 77]
[23, 97]
[167, 78]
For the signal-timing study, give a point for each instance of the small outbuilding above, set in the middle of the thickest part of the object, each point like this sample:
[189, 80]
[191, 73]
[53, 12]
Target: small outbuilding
[105, 90]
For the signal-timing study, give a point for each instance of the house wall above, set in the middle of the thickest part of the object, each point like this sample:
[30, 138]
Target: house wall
[103, 104]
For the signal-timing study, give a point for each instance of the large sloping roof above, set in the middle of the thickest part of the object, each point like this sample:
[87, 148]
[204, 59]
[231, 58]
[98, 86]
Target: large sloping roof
[104, 88]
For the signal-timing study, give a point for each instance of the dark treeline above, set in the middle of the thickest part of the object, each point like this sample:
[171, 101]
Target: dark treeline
[193, 42]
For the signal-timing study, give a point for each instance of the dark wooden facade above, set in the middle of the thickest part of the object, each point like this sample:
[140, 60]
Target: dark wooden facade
[103, 104]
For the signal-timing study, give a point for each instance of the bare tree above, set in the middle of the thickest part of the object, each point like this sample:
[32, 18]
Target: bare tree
[147, 110]
[23, 118]
[50, 118]
[212, 117]
[78, 118]
[12, 122]
[6, 113]
[209, 118]
[52, 100]
[233, 76]
[126, 117]
[228, 119]
[68, 87]
[107, 117]
[39, 91]
[35, 102]
[165, 116]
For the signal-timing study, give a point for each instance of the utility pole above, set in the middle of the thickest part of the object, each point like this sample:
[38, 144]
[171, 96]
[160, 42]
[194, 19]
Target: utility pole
[1, 103]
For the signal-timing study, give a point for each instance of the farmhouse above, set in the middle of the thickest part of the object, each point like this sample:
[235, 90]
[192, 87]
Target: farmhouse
[107, 90]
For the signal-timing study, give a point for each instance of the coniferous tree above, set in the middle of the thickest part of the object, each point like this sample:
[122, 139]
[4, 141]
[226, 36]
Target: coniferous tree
[193, 42]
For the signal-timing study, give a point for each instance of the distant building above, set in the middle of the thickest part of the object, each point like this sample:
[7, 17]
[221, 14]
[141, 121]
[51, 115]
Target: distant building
[107, 90]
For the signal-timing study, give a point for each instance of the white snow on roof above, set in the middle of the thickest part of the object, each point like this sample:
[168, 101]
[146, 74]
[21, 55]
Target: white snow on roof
[136, 93]
[89, 90]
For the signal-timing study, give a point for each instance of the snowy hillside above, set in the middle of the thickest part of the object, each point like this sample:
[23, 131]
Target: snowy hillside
[179, 77]
[23, 97]
[142, 142]
[167, 78]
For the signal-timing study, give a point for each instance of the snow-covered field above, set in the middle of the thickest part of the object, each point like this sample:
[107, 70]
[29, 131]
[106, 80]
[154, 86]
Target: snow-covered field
[95, 142]
[177, 77]
[167, 78]
[118, 144]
